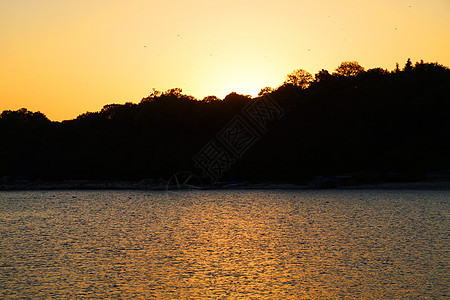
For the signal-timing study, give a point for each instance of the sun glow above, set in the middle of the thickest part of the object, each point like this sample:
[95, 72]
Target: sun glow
[245, 82]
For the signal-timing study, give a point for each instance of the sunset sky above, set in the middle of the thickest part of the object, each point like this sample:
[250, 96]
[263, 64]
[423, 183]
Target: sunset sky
[64, 58]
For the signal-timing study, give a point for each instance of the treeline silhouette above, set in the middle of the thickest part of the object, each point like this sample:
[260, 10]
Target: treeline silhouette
[376, 125]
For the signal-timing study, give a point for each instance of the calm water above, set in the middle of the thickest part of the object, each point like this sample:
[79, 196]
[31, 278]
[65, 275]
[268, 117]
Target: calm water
[225, 244]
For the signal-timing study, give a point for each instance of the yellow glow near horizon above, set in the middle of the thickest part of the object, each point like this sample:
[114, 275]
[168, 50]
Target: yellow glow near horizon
[64, 58]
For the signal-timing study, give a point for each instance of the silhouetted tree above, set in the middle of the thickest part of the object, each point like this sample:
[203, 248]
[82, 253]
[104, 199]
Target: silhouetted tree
[266, 90]
[300, 78]
[211, 99]
[236, 99]
[322, 76]
[24, 116]
[377, 72]
[349, 69]
[408, 66]
[154, 94]
[177, 92]
[419, 65]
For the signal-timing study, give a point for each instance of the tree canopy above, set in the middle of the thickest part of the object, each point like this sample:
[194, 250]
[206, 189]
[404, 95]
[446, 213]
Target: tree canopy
[349, 69]
[300, 78]
[351, 121]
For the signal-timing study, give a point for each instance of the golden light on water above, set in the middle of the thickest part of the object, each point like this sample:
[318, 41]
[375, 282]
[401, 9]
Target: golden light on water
[65, 58]
[224, 244]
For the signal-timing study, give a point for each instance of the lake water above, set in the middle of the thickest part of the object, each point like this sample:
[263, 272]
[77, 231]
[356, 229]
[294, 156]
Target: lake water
[265, 244]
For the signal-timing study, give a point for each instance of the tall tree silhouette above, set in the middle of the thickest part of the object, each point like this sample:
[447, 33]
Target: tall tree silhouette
[408, 66]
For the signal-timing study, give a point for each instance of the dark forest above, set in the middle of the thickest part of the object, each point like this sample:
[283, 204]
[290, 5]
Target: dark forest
[372, 125]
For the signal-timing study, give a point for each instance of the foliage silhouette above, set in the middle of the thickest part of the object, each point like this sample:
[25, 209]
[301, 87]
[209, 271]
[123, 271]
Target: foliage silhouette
[300, 78]
[349, 68]
[266, 90]
[374, 124]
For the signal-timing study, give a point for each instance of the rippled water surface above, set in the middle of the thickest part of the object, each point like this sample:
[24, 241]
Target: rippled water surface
[225, 244]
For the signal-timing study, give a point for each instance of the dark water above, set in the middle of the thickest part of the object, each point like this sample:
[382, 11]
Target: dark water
[225, 244]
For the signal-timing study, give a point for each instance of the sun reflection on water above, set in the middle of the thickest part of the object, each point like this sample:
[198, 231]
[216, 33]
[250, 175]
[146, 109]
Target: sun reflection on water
[224, 245]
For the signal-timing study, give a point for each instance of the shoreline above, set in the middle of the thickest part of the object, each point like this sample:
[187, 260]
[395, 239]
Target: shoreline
[143, 185]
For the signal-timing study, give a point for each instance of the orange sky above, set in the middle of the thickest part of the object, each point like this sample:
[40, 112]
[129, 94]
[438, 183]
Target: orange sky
[64, 58]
